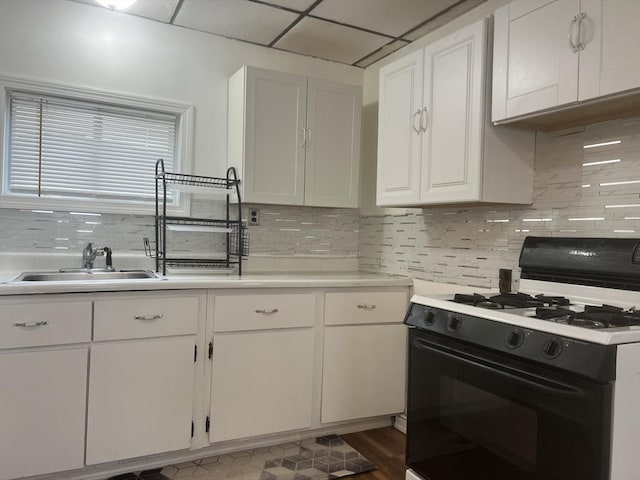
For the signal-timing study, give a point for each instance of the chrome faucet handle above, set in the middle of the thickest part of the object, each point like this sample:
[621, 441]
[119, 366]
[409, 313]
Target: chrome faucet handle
[109, 260]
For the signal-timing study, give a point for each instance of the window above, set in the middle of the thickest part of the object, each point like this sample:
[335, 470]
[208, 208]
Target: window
[84, 150]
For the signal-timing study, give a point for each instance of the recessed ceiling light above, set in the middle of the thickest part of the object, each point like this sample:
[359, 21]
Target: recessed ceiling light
[116, 4]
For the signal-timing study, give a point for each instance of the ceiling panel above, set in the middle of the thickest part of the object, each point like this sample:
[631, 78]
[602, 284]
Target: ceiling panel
[298, 5]
[318, 38]
[391, 17]
[383, 52]
[380, 27]
[160, 10]
[240, 19]
[443, 18]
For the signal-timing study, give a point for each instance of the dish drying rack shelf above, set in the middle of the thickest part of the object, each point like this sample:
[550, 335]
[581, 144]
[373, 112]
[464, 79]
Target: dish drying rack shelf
[237, 236]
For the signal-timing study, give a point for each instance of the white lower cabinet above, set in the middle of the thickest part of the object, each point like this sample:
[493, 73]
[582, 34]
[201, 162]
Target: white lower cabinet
[262, 365]
[141, 379]
[262, 383]
[43, 397]
[363, 372]
[107, 377]
[43, 381]
[364, 357]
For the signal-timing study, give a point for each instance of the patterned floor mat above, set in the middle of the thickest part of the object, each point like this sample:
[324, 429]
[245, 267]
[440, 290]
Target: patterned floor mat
[321, 458]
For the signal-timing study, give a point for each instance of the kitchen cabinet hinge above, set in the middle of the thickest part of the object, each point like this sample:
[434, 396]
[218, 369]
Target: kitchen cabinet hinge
[195, 353]
[210, 350]
[193, 428]
[207, 425]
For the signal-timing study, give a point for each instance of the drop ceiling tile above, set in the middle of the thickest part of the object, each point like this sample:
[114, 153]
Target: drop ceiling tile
[318, 38]
[391, 17]
[298, 5]
[160, 10]
[383, 52]
[240, 19]
[445, 17]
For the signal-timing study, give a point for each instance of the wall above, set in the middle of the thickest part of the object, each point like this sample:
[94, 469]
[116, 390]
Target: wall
[76, 44]
[467, 245]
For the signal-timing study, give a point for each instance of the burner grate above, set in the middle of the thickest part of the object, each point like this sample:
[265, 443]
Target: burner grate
[509, 300]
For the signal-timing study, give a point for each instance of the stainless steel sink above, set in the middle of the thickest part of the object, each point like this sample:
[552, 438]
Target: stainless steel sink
[83, 276]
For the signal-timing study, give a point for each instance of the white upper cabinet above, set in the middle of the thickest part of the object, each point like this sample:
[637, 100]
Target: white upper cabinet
[399, 131]
[436, 143]
[610, 61]
[556, 54]
[294, 140]
[453, 99]
[534, 65]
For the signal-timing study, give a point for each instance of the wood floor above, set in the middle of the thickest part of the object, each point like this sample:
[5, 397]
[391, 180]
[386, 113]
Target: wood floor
[384, 447]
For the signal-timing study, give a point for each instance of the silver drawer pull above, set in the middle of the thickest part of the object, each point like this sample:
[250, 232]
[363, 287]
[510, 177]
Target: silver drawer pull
[366, 307]
[262, 310]
[30, 324]
[149, 317]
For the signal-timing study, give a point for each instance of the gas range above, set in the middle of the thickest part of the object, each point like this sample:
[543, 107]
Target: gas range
[523, 384]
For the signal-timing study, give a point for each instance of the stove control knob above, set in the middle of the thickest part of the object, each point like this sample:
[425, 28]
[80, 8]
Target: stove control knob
[552, 348]
[429, 317]
[514, 338]
[454, 324]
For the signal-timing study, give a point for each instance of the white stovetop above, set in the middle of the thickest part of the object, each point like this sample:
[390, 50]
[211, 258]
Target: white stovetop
[588, 295]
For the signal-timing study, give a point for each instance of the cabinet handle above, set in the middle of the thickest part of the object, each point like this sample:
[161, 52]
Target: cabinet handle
[30, 324]
[267, 312]
[304, 138]
[308, 137]
[415, 115]
[157, 316]
[574, 32]
[366, 307]
[426, 119]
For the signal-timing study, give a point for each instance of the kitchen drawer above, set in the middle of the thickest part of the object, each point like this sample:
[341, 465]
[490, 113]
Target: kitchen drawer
[145, 316]
[260, 312]
[345, 308]
[47, 323]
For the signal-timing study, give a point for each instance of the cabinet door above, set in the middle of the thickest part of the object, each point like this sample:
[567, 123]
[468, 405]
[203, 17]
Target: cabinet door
[399, 131]
[534, 65]
[140, 398]
[274, 143]
[610, 60]
[364, 371]
[42, 414]
[333, 144]
[261, 383]
[454, 96]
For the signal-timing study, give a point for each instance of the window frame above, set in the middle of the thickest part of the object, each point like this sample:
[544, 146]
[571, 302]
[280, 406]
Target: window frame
[183, 153]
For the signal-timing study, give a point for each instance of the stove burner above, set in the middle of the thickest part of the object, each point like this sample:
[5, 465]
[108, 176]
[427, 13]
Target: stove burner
[509, 300]
[604, 316]
[549, 312]
[553, 300]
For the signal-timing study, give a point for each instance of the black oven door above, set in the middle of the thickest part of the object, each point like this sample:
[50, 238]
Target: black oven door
[478, 414]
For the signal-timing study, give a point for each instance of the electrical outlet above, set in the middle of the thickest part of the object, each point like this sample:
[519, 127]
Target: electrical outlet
[254, 216]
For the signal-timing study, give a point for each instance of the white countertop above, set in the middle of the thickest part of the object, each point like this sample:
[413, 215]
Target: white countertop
[204, 281]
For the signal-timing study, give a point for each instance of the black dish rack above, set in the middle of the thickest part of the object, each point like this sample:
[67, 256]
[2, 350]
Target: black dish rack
[235, 229]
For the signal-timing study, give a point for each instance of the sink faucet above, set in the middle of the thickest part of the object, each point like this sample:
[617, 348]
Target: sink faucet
[89, 255]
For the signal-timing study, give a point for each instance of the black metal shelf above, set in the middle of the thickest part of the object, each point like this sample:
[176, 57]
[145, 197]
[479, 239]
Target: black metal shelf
[237, 245]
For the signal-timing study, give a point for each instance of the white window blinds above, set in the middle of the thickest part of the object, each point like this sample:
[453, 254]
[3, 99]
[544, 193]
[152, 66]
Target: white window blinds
[66, 148]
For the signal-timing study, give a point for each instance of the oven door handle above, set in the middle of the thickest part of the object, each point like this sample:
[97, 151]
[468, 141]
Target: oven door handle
[517, 375]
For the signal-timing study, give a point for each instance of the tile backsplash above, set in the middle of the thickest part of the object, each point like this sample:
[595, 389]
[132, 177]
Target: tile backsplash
[283, 231]
[587, 183]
